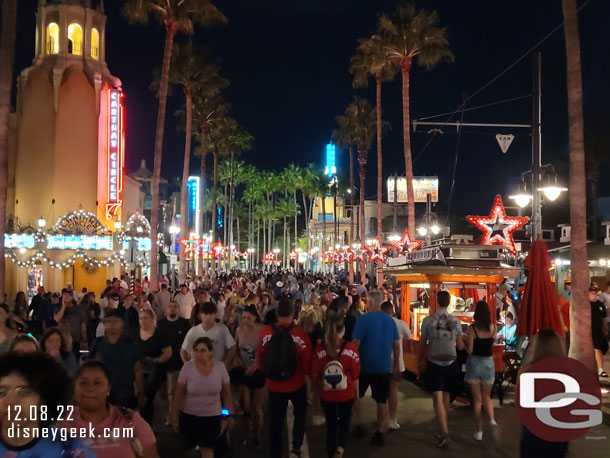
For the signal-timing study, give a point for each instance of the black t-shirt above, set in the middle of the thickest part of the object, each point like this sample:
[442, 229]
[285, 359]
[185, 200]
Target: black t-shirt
[175, 331]
[598, 313]
[120, 358]
[154, 345]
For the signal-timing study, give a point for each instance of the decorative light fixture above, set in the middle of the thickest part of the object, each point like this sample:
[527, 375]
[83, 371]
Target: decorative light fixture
[117, 225]
[276, 250]
[422, 231]
[435, 229]
[522, 198]
[41, 222]
[498, 228]
[551, 189]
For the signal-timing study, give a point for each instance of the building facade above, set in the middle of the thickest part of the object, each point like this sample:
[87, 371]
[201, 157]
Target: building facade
[67, 186]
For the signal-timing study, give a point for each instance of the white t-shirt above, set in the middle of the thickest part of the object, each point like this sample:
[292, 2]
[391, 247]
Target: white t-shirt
[219, 334]
[605, 298]
[405, 334]
[186, 302]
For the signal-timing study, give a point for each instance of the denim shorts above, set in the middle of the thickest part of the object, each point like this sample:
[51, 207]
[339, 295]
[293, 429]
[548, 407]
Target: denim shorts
[480, 369]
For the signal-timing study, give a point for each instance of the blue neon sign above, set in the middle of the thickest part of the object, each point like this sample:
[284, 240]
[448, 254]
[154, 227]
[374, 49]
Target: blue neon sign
[331, 160]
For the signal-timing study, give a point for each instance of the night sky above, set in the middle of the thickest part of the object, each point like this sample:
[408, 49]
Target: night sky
[287, 61]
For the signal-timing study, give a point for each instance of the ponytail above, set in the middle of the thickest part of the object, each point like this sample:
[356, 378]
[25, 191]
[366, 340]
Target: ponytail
[334, 326]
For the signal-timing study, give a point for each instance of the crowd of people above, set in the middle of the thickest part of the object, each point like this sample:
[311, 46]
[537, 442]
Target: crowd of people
[228, 344]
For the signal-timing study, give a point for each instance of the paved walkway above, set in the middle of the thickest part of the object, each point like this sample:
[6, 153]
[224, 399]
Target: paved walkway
[416, 436]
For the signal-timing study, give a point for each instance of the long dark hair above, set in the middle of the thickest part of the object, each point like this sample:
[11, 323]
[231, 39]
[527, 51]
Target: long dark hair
[482, 316]
[334, 325]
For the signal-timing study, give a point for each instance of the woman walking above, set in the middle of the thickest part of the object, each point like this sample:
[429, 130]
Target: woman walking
[480, 365]
[203, 387]
[247, 377]
[156, 349]
[335, 371]
[53, 344]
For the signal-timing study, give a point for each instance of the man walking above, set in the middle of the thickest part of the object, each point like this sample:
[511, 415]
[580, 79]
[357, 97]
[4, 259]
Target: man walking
[175, 328]
[404, 333]
[377, 339]
[224, 344]
[284, 356]
[441, 333]
[186, 301]
[72, 320]
[161, 301]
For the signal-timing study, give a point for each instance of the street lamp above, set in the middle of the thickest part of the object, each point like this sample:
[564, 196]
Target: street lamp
[394, 238]
[551, 189]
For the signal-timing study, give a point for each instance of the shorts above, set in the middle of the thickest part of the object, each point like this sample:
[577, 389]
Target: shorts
[201, 431]
[480, 369]
[441, 378]
[254, 381]
[172, 381]
[379, 383]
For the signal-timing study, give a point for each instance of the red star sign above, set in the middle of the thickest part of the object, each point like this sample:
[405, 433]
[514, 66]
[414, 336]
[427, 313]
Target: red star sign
[407, 244]
[191, 245]
[218, 251]
[497, 227]
[377, 251]
[348, 255]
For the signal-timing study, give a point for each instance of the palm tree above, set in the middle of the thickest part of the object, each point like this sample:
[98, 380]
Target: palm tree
[7, 54]
[371, 60]
[207, 111]
[293, 174]
[409, 34]
[176, 16]
[345, 138]
[581, 346]
[194, 70]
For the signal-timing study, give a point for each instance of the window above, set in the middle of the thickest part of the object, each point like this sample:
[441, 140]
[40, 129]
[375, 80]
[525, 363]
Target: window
[75, 39]
[95, 44]
[52, 38]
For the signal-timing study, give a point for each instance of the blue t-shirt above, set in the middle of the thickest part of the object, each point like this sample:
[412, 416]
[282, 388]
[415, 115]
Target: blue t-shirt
[48, 448]
[376, 332]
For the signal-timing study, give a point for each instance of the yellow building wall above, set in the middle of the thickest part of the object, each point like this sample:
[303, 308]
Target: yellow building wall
[95, 282]
[35, 157]
[75, 145]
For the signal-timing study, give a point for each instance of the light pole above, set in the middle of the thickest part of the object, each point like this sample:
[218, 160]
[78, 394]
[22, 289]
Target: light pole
[542, 177]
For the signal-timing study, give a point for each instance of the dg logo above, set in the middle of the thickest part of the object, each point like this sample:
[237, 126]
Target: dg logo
[559, 399]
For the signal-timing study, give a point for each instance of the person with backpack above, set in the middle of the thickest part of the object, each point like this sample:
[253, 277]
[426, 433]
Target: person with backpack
[441, 333]
[376, 338]
[335, 370]
[284, 355]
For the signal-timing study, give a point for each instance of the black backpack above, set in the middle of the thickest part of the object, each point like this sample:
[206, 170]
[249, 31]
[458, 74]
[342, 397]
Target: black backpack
[281, 356]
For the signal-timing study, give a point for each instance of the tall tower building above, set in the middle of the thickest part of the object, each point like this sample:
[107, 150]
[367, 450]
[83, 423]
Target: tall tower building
[62, 129]
[66, 145]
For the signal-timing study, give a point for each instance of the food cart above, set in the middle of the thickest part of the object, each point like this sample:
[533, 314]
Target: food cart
[469, 272]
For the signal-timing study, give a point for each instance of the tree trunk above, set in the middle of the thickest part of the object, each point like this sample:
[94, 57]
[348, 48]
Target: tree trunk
[351, 193]
[379, 159]
[305, 209]
[7, 54]
[296, 216]
[170, 28]
[215, 203]
[581, 346]
[224, 215]
[202, 190]
[184, 220]
[362, 164]
[405, 67]
[323, 223]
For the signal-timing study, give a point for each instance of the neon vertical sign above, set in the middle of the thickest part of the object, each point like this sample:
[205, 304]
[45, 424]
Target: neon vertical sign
[193, 188]
[331, 160]
[115, 153]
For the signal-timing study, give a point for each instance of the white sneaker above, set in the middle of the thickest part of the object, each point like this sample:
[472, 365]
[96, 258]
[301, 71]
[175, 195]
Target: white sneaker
[493, 423]
[478, 436]
[318, 420]
[393, 424]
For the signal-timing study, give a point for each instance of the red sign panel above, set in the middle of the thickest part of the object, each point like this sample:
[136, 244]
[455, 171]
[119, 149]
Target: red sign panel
[116, 131]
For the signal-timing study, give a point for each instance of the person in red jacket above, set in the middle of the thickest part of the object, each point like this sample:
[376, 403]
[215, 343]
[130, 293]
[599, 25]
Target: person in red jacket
[290, 386]
[335, 369]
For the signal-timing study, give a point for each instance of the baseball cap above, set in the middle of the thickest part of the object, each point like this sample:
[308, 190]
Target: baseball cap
[593, 287]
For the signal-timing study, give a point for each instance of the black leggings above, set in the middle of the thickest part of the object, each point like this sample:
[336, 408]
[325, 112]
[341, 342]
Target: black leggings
[338, 419]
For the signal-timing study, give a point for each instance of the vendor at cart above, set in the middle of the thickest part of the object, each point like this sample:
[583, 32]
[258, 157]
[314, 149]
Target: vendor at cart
[507, 333]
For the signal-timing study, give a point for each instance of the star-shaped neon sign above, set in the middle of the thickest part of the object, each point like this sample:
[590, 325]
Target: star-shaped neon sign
[407, 244]
[377, 251]
[192, 245]
[497, 227]
[358, 254]
[348, 255]
[218, 250]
